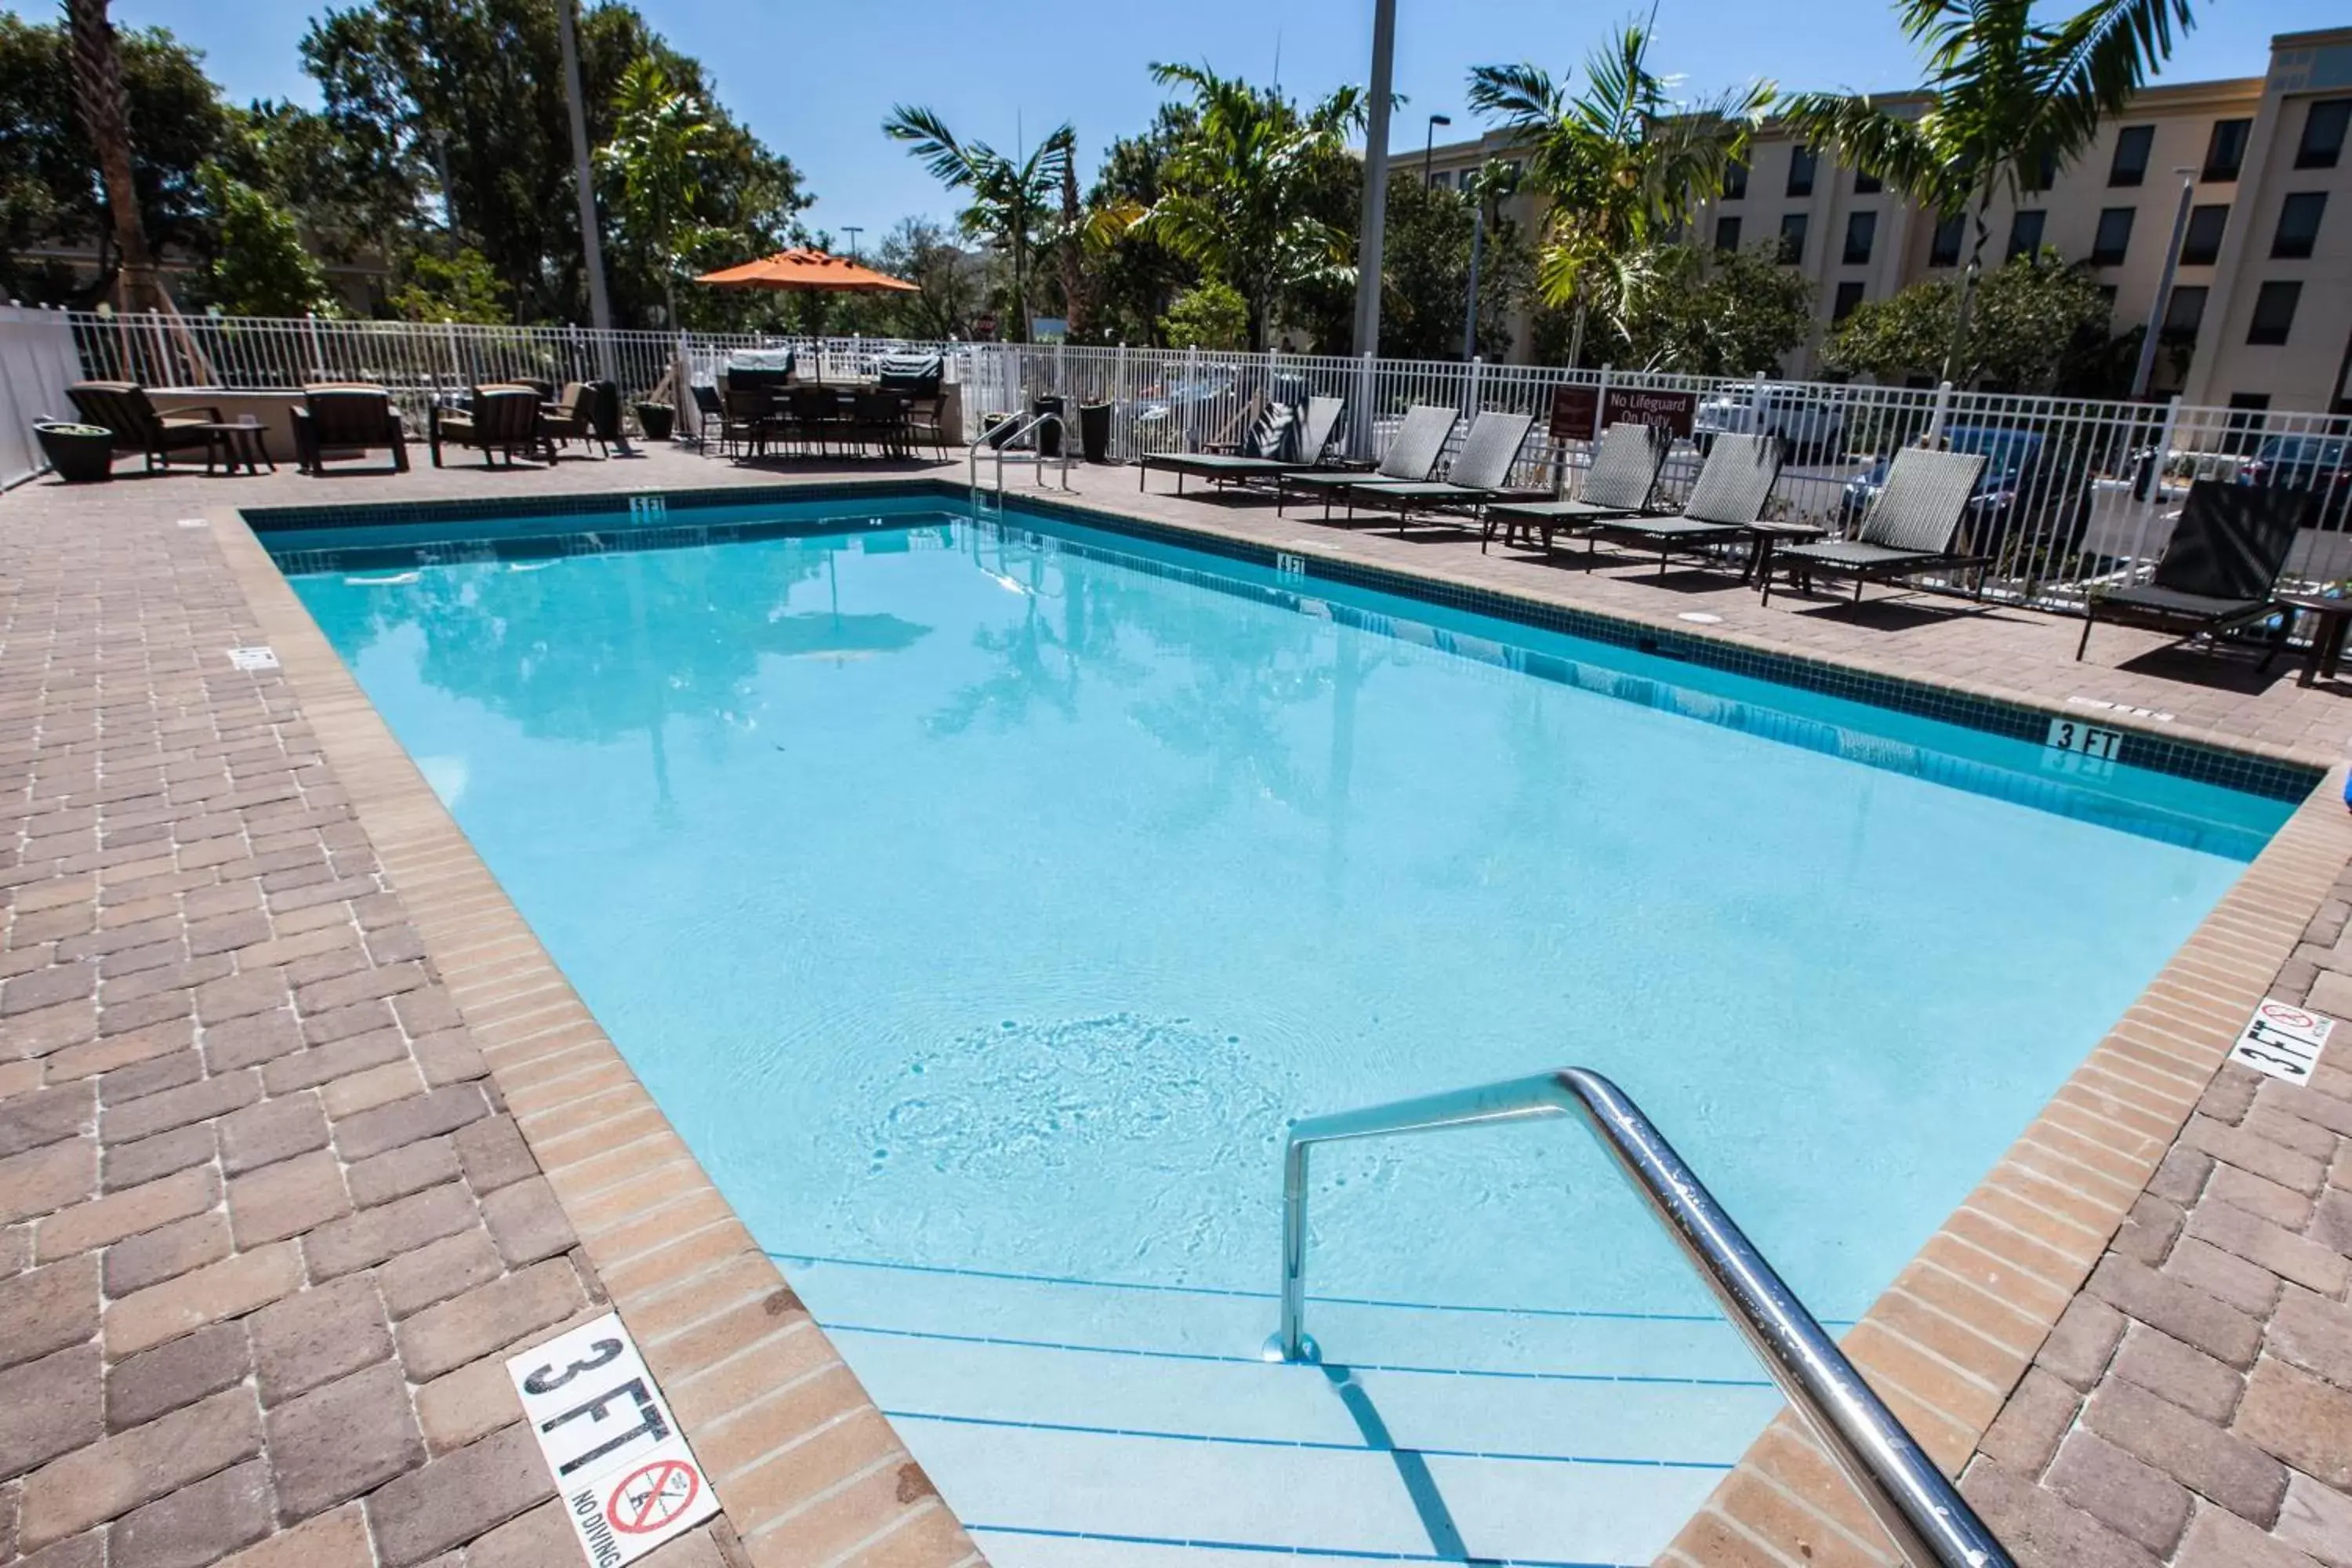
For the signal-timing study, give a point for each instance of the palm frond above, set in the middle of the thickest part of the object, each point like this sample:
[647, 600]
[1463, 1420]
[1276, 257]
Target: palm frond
[2096, 59]
[944, 158]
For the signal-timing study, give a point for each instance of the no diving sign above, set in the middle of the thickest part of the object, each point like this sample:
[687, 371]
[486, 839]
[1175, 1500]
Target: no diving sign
[2282, 1040]
[628, 1479]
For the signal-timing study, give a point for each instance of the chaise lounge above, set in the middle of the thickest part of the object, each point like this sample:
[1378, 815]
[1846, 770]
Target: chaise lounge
[1479, 477]
[1280, 442]
[1911, 528]
[1620, 483]
[2221, 569]
[1725, 507]
[1413, 455]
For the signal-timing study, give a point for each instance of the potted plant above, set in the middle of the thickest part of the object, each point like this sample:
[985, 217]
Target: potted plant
[655, 419]
[81, 454]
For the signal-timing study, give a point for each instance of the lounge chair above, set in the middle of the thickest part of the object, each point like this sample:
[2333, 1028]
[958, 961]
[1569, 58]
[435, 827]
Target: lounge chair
[1480, 476]
[339, 420]
[503, 419]
[125, 407]
[2221, 569]
[1911, 528]
[1279, 443]
[1726, 505]
[1413, 455]
[1620, 483]
[572, 417]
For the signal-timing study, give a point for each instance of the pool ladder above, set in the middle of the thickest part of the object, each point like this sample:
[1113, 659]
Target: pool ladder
[1930, 1523]
[1029, 427]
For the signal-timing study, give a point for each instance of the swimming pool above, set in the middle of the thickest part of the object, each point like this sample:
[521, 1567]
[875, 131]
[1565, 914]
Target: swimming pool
[981, 900]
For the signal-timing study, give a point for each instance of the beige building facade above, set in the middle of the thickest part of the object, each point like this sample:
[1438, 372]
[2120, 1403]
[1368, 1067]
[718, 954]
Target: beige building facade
[2259, 314]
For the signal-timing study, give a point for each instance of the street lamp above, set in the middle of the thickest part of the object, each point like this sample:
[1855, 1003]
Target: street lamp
[853, 231]
[1368, 243]
[1429, 144]
[2163, 303]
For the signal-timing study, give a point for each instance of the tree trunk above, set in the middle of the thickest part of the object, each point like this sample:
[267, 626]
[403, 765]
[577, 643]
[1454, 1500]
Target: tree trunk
[105, 114]
[1576, 333]
[1957, 347]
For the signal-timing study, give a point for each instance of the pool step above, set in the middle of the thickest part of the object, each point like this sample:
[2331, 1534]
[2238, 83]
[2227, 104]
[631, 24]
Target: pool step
[1079, 1424]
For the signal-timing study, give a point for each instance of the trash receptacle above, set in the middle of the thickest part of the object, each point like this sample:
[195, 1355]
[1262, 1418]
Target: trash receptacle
[1049, 437]
[1094, 432]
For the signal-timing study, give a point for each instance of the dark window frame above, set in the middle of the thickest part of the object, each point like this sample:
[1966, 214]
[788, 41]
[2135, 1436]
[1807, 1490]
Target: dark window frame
[1792, 245]
[2338, 116]
[2198, 248]
[1848, 298]
[1867, 224]
[1804, 169]
[2124, 175]
[2298, 245]
[2019, 226]
[1866, 184]
[1726, 232]
[1734, 180]
[2225, 150]
[2104, 254]
[1954, 229]
[2176, 330]
[2271, 326]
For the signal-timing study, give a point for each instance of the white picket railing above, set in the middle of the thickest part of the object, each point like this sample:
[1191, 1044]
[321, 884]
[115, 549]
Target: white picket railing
[2080, 490]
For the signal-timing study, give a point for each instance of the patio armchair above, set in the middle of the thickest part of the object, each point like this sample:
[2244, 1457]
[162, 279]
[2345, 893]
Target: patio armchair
[814, 413]
[339, 420]
[125, 407]
[572, 417]
[880, 418]
[2219, 570]
[502, 419]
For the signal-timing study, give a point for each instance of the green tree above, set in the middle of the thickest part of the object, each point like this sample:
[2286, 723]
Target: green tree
[661, 139]
[259, 264]
[2037, 322]
[1717, 313]
[1621, 166]
[1247, 194]
[1425, 282]
[1211, 315]
[2013, 99]
[1135, 278]
[946, 280]
[461, 288]
[49, 193]
[1007, 198]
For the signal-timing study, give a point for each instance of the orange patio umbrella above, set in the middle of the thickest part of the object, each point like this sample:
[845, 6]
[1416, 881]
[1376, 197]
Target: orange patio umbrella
[809, 270]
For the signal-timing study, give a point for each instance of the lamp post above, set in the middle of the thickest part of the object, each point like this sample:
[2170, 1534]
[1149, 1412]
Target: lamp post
[2162, 305]
[1429, 145]
[853, 231]
[591, 247]
[1370, 244]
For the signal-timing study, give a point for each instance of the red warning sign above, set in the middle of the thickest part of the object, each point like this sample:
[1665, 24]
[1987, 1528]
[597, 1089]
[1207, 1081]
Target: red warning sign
[651, 1497]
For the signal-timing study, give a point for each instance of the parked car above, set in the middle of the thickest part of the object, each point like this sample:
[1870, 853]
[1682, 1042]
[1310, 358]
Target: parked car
[2321, 463]
[1809, 429]
[1209, 389]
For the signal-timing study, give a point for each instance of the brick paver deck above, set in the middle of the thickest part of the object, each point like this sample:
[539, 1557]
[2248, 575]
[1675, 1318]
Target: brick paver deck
[301, 1132]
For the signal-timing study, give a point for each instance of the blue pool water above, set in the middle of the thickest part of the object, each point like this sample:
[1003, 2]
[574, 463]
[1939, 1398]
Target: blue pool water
[982, 903]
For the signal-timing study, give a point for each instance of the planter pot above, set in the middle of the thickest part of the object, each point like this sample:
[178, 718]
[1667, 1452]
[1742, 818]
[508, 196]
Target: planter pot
[655, 419]
[997, 428]
[1094, 431]
[81, 454]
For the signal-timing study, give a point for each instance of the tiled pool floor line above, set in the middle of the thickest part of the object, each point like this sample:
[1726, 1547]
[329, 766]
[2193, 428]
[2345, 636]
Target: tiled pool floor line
[301, 1131]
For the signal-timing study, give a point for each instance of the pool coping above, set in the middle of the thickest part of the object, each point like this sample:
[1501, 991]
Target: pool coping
[1946, 1342]
[807, 1469]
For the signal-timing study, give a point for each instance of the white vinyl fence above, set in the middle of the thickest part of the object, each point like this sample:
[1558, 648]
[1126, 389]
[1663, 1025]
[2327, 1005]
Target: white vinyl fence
[2077, 491]
[37, 364]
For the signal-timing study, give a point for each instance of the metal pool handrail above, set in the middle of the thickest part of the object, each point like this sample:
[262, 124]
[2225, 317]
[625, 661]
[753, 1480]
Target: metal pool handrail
[1035, 422]
[1925, 1514]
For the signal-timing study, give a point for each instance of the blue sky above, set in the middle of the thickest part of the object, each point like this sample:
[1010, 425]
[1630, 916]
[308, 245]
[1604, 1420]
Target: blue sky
[814, 80]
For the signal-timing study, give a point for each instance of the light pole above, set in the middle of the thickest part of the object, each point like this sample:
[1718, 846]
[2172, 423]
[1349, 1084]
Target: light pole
[1477, 243]
[600, 308]
[853, 231]
[2163, 302]
[1429, 144]
[1370, 244]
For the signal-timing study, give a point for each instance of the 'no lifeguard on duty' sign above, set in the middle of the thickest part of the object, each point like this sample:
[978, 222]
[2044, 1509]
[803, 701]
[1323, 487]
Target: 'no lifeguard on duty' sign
[626, 1477]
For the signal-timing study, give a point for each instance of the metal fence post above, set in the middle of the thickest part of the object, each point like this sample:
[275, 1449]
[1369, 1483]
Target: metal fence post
[1470, 387]
[1122, 430]
[1192, 398]
[1943, 408]
[1601, 403]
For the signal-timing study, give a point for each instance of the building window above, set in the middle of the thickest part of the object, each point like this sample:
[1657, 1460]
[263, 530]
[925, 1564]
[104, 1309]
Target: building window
[2225, 151]
[2184, 314]
[1727, 234]
[2202, 243]
[1792, 237]
[1735, 180]
[1802, 161]
[2025, 232]
[1849, 296]
[1861, 230]
[1949, 232]
[2107, 297]
[2248, 414]
[2324, 124]
[2133, 143]
[1867, 184]
[2043, 174]
[2114, 238]
[2298, 226]
[2275, 313]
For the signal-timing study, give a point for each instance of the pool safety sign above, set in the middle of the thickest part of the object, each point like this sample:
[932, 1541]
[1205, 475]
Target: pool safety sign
[2282, 1040]
[627, 1480]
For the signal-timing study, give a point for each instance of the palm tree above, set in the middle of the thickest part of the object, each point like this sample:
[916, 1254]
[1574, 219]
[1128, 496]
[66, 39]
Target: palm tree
[105, 112]
[661, 138]
[2011, 100]
[1240, 193]
[1008, 195]
[1621, 166]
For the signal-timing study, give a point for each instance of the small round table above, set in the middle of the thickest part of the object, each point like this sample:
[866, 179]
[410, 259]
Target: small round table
[2331, 619]
[238, 441]
[1765, 535]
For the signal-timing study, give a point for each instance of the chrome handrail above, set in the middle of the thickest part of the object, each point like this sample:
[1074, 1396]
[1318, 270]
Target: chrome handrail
[1032, 423]
[1919, 1508]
